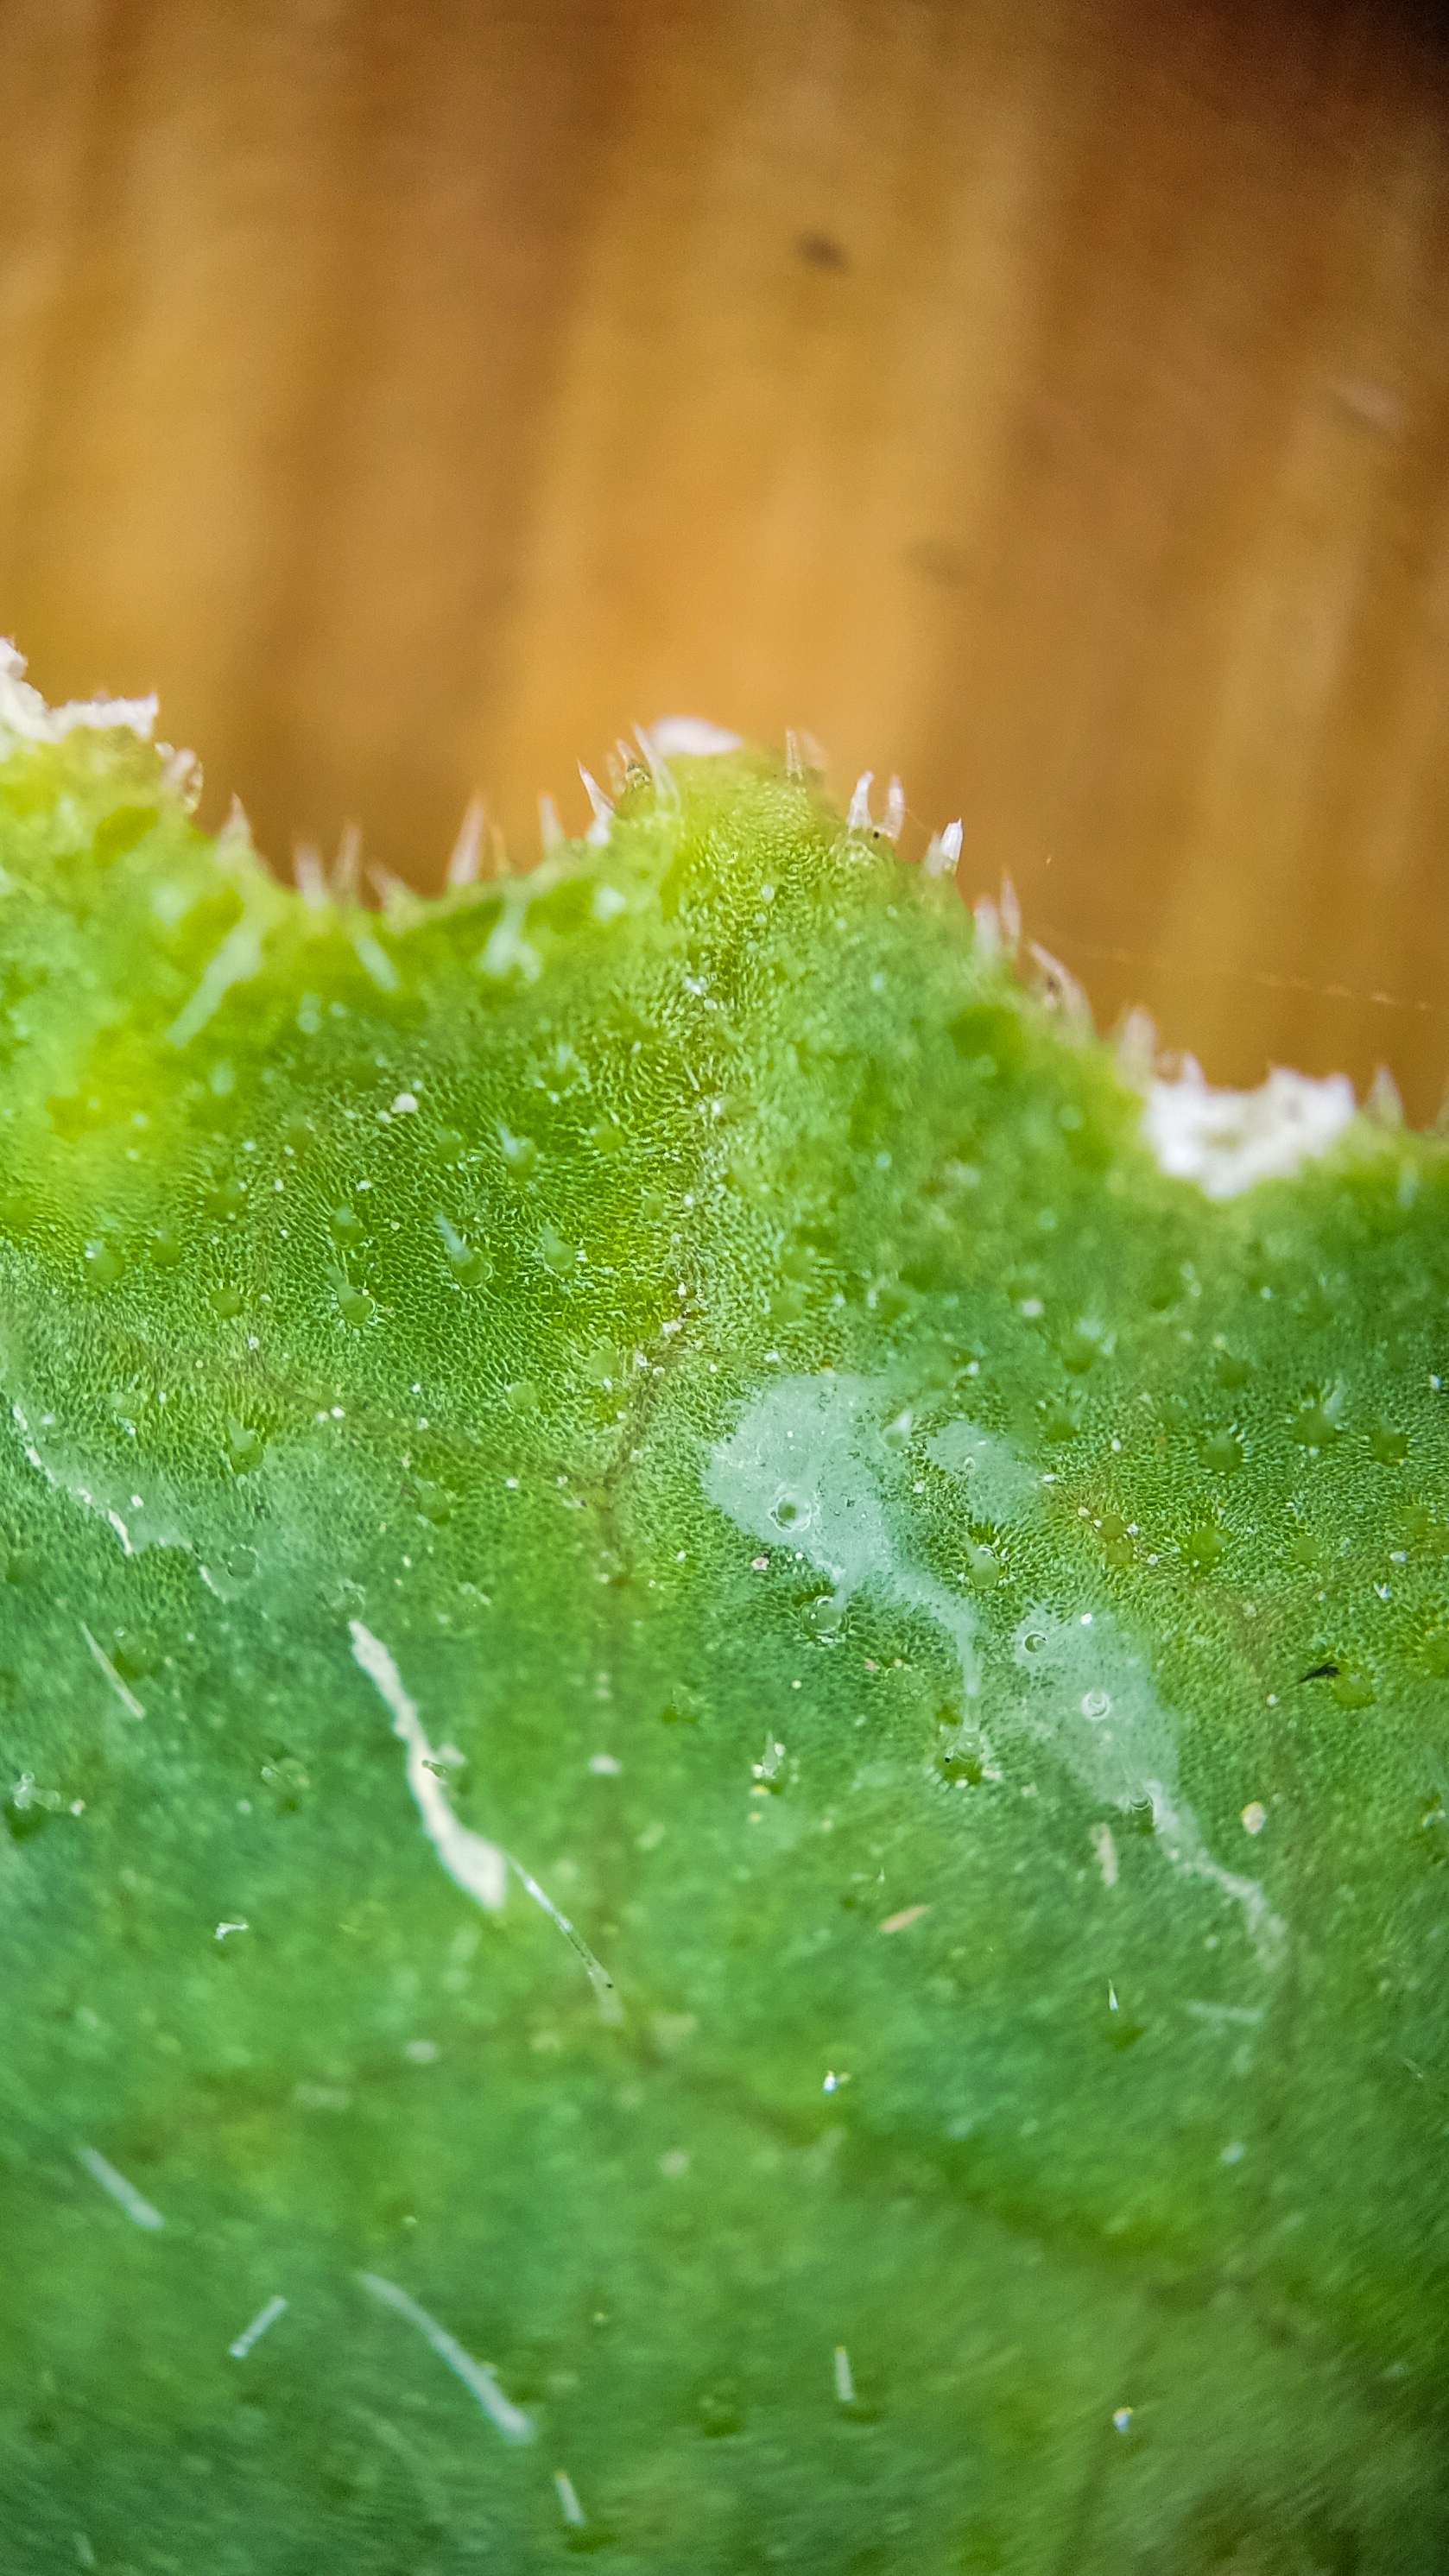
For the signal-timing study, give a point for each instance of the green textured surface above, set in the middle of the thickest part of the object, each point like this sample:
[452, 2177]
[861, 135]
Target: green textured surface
[806, 1465]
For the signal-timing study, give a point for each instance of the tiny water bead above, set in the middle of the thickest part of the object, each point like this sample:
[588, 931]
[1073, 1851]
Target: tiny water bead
[245, 1447]
[1204, 1546]
[1316, 1422]
[105, 1263]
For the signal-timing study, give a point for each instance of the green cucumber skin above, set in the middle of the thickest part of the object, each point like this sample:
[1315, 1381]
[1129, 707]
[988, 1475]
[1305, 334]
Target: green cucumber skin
[701, 1182]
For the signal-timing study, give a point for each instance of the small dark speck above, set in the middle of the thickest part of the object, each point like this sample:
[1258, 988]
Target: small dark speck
[821, 250]
[936, 559]
[1322, 1673]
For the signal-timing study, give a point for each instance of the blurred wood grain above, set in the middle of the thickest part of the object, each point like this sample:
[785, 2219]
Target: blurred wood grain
[1047, 399]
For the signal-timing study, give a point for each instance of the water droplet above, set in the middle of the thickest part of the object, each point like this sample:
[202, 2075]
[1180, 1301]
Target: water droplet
[1203, 1547]
[103, 1262]
[520, 1153]
[684, 1706]
[244, 1446]
[556, 1255]
[1080, 1348]
[1095, 1704]
[1231, 1370]
[825, 1616]
[26, 1813]
[1315, 1425]
[1353, 1687]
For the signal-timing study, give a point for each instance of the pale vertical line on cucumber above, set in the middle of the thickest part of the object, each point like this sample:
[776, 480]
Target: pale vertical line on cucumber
[476, 2376]
[265, 2317]
[137, 2208]
[475, 1865]
[478, 1867]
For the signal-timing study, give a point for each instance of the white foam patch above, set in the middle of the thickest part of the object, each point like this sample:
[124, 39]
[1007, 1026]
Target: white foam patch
[135, 1520]
[691, 737]
[998, 1483]
[1091, 1698]
[25, 717]
[801, 1470]
[1228, 1140]
[797, 1471]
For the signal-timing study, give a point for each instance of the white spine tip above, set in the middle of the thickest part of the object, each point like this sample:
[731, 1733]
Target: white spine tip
[1384, 1103]
[550, 829]
[235, 836]
[1062, 993]
[598, 831]
[347, 867]
[895, 810]
[859, 816]
[311, 876]
[1137, 1048]
[466, 858]
[654, 761]
[943, 852]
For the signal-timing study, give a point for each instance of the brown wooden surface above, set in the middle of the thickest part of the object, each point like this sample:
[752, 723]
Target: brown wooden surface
[1048, 399]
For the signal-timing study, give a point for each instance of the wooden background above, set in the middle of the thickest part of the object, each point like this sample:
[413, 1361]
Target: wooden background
[1048, 399]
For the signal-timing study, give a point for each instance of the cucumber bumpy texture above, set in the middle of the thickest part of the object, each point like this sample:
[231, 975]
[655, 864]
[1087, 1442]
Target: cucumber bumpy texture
[721, 1736]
